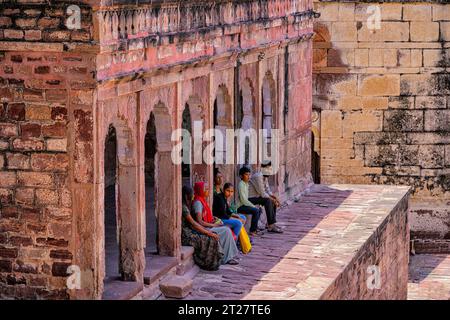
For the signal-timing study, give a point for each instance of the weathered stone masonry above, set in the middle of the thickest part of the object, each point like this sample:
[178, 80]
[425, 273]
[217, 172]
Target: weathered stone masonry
[382, 99]
[62, 90]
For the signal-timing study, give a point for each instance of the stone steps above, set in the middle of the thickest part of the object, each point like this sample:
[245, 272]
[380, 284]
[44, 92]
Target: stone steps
[163, 276]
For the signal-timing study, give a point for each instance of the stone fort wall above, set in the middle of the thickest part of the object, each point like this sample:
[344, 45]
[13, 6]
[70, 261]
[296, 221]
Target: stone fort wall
[381, 104]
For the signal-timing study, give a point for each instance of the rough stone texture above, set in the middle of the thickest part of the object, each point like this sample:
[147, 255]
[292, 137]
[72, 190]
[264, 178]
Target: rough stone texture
[383, 100]
[62, 89]
[429, 277]
[176, 287]
[332, 235]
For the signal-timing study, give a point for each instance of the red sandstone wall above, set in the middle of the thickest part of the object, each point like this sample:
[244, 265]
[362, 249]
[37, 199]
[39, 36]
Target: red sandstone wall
[41, 90]
[60, 90]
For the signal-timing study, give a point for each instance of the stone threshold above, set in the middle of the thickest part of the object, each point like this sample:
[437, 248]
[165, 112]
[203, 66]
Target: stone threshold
[116, 289]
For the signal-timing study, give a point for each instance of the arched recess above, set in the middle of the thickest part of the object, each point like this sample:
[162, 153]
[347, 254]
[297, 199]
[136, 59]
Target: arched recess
[223, 121]
[120, 207]
[160, 171]
[268, 120]
[315, 154]
[269, 110]
[186, 165]
[112, 241]
[245, 120]
[194, 111]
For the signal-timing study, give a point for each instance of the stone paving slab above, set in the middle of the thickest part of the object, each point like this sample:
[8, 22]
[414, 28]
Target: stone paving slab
[323, 232]
[429, 277]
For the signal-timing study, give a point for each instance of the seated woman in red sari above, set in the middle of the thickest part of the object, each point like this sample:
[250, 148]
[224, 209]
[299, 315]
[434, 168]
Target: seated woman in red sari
[203, 215]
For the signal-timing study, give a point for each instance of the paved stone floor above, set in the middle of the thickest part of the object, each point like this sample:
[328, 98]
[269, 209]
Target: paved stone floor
[322, 233]
[429, 277]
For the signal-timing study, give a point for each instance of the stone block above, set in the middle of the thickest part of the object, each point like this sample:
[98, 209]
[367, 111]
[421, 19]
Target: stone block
[417, 12]
[33, 35]
[431, 156]
[38, 112]
[428, 138]
[381, 155]
[389, 31]
[331, 123]
[430, 102]
[361, 121]
[447, 156]
[49, 162]
[29, 144]
[403, 120]
[34, 179]
[344, 31]
[441, 12]
[346, 12]
[375, 57]
[24, 196]
[379, 85]
[46, 197]
[340, 57]
[404, 58]
[361, 57]
[328, 11]
[336, 84]
[24, 23]
[416, 84]
[435, 58]
[445, 31]
[390, 57]
[391, 11]
[424, 31]
[59, 145]
[30, 130]
[402, 102]
[13, 34]
[18, 161]
[437, 120]
[7, 179]
[8, 130]
[375, 103]
[177, 287]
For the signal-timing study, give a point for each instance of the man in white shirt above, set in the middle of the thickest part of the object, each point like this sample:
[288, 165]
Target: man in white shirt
[259, 193]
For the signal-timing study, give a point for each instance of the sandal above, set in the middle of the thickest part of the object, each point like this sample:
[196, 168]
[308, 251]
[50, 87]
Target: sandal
[256, 233]
[233, 262]
[275, 229]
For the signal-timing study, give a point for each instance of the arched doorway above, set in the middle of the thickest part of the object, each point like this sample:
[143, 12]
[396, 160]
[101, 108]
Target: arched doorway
[315, 160]
[112, 236]
[186, 168]
[268, 122]
[245, 120]
[223, 121]
[150, 198]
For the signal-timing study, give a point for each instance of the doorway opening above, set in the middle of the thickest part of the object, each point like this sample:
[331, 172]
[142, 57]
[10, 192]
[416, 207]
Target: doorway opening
[111, 221]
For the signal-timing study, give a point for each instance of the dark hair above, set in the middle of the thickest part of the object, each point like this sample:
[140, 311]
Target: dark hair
[186, 193]
[266, 164]
[244, 170]
[227, 186]
[216, 172]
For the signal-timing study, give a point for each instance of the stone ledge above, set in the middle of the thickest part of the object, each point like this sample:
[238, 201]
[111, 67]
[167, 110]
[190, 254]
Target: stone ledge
[332, 235]
[389, 1]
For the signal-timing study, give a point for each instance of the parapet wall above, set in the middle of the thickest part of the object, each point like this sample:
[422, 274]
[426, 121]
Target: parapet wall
[383, 96]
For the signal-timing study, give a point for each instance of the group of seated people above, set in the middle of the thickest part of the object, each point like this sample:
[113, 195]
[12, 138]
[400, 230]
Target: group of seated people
[214, 233]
